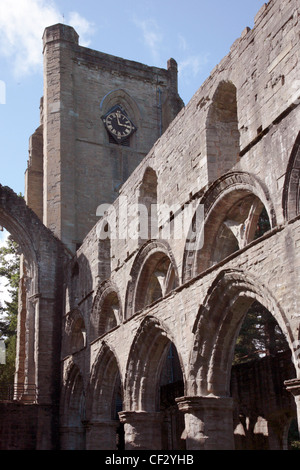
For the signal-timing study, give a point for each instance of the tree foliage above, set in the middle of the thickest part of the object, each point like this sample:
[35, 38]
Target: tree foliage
[259, 336]
[10, 272]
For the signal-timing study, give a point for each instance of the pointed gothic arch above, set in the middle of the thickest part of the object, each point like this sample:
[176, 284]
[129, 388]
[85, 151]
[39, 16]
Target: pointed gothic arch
[232, 208]
[145, 365]
[37, 360]
[222, 131]
[73, 409]
[217, 325]
[291, 189]
[106, 310]
[153, 275]
[104, 400]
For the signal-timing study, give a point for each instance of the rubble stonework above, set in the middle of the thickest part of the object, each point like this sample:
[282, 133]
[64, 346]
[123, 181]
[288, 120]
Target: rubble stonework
[150, 319]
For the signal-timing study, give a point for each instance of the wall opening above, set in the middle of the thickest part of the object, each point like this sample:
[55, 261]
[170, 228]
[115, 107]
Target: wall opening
[148, 223]
[262, 362]
[172, 387]
[156, 279]
[222, 133]
[235, 221]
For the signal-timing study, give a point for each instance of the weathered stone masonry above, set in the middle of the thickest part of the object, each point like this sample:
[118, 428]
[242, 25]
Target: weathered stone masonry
[139, 308]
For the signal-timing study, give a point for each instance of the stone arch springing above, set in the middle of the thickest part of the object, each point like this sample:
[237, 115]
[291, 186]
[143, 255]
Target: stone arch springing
[291, 190]
[145, 364]
[222, 133]
[148, 223]
[106, 310]
[232, 208]
[217, 326]
[153, 275]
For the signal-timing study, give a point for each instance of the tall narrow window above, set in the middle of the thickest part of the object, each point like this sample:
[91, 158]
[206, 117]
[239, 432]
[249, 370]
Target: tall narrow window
[222, 133]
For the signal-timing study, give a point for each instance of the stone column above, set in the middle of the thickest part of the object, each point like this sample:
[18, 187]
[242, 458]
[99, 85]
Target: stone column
[293, 386]
[102, 435]
[208, 422]
[142, 430]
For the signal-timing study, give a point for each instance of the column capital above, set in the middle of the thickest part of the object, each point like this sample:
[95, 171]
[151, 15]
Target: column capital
[208, 422]
[142, 429]
[196, 403]
[139, 416]
[293, 386]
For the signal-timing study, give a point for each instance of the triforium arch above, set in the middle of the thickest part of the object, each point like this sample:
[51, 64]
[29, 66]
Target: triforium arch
[153, 275]
[41, 314]
[104, 401]
[216, 328]
[291, 190]
[232, 208]
[106, 310]
[73, 409]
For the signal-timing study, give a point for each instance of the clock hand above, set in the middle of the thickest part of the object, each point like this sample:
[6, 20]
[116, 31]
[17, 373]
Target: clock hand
[123, 125]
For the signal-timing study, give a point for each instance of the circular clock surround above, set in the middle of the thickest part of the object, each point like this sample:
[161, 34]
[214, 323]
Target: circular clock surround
[118, 124]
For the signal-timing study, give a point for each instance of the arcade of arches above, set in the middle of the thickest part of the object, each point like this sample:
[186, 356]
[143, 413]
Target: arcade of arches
[185, 336]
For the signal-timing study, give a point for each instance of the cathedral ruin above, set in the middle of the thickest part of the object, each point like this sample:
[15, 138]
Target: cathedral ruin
[142, 249]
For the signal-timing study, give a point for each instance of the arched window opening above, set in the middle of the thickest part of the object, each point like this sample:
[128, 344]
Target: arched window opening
[78, 336]
[109, 314]
[235, 221]
[148, 224]
[104, 251]
[222, 133]
[105, 401]
[263, 224]
[262, 363]
[156, 280]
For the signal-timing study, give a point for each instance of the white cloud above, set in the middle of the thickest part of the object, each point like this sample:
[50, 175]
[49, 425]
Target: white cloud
[183, 46]
[83, 27]
[22, 24]
[191, 66]
[152, 36]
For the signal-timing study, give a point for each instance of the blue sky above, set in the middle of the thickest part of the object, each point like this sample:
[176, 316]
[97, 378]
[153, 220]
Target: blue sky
[196, 33]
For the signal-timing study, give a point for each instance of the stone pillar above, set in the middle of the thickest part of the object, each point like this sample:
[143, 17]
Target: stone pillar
[102, 435]
[293, 386]
[208, 422]
[142, 430]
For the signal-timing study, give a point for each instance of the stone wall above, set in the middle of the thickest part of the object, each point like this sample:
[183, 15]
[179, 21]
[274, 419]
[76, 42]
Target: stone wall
[139, 306]
[81, 167]
[227, 151]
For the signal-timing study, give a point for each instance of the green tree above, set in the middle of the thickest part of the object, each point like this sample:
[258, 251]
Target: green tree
[259, 336]
[10, 272]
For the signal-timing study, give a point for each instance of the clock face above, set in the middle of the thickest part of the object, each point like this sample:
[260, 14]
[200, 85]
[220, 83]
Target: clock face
[118, 124]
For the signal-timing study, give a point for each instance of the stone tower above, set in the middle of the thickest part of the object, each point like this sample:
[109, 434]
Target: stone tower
[76, 162]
